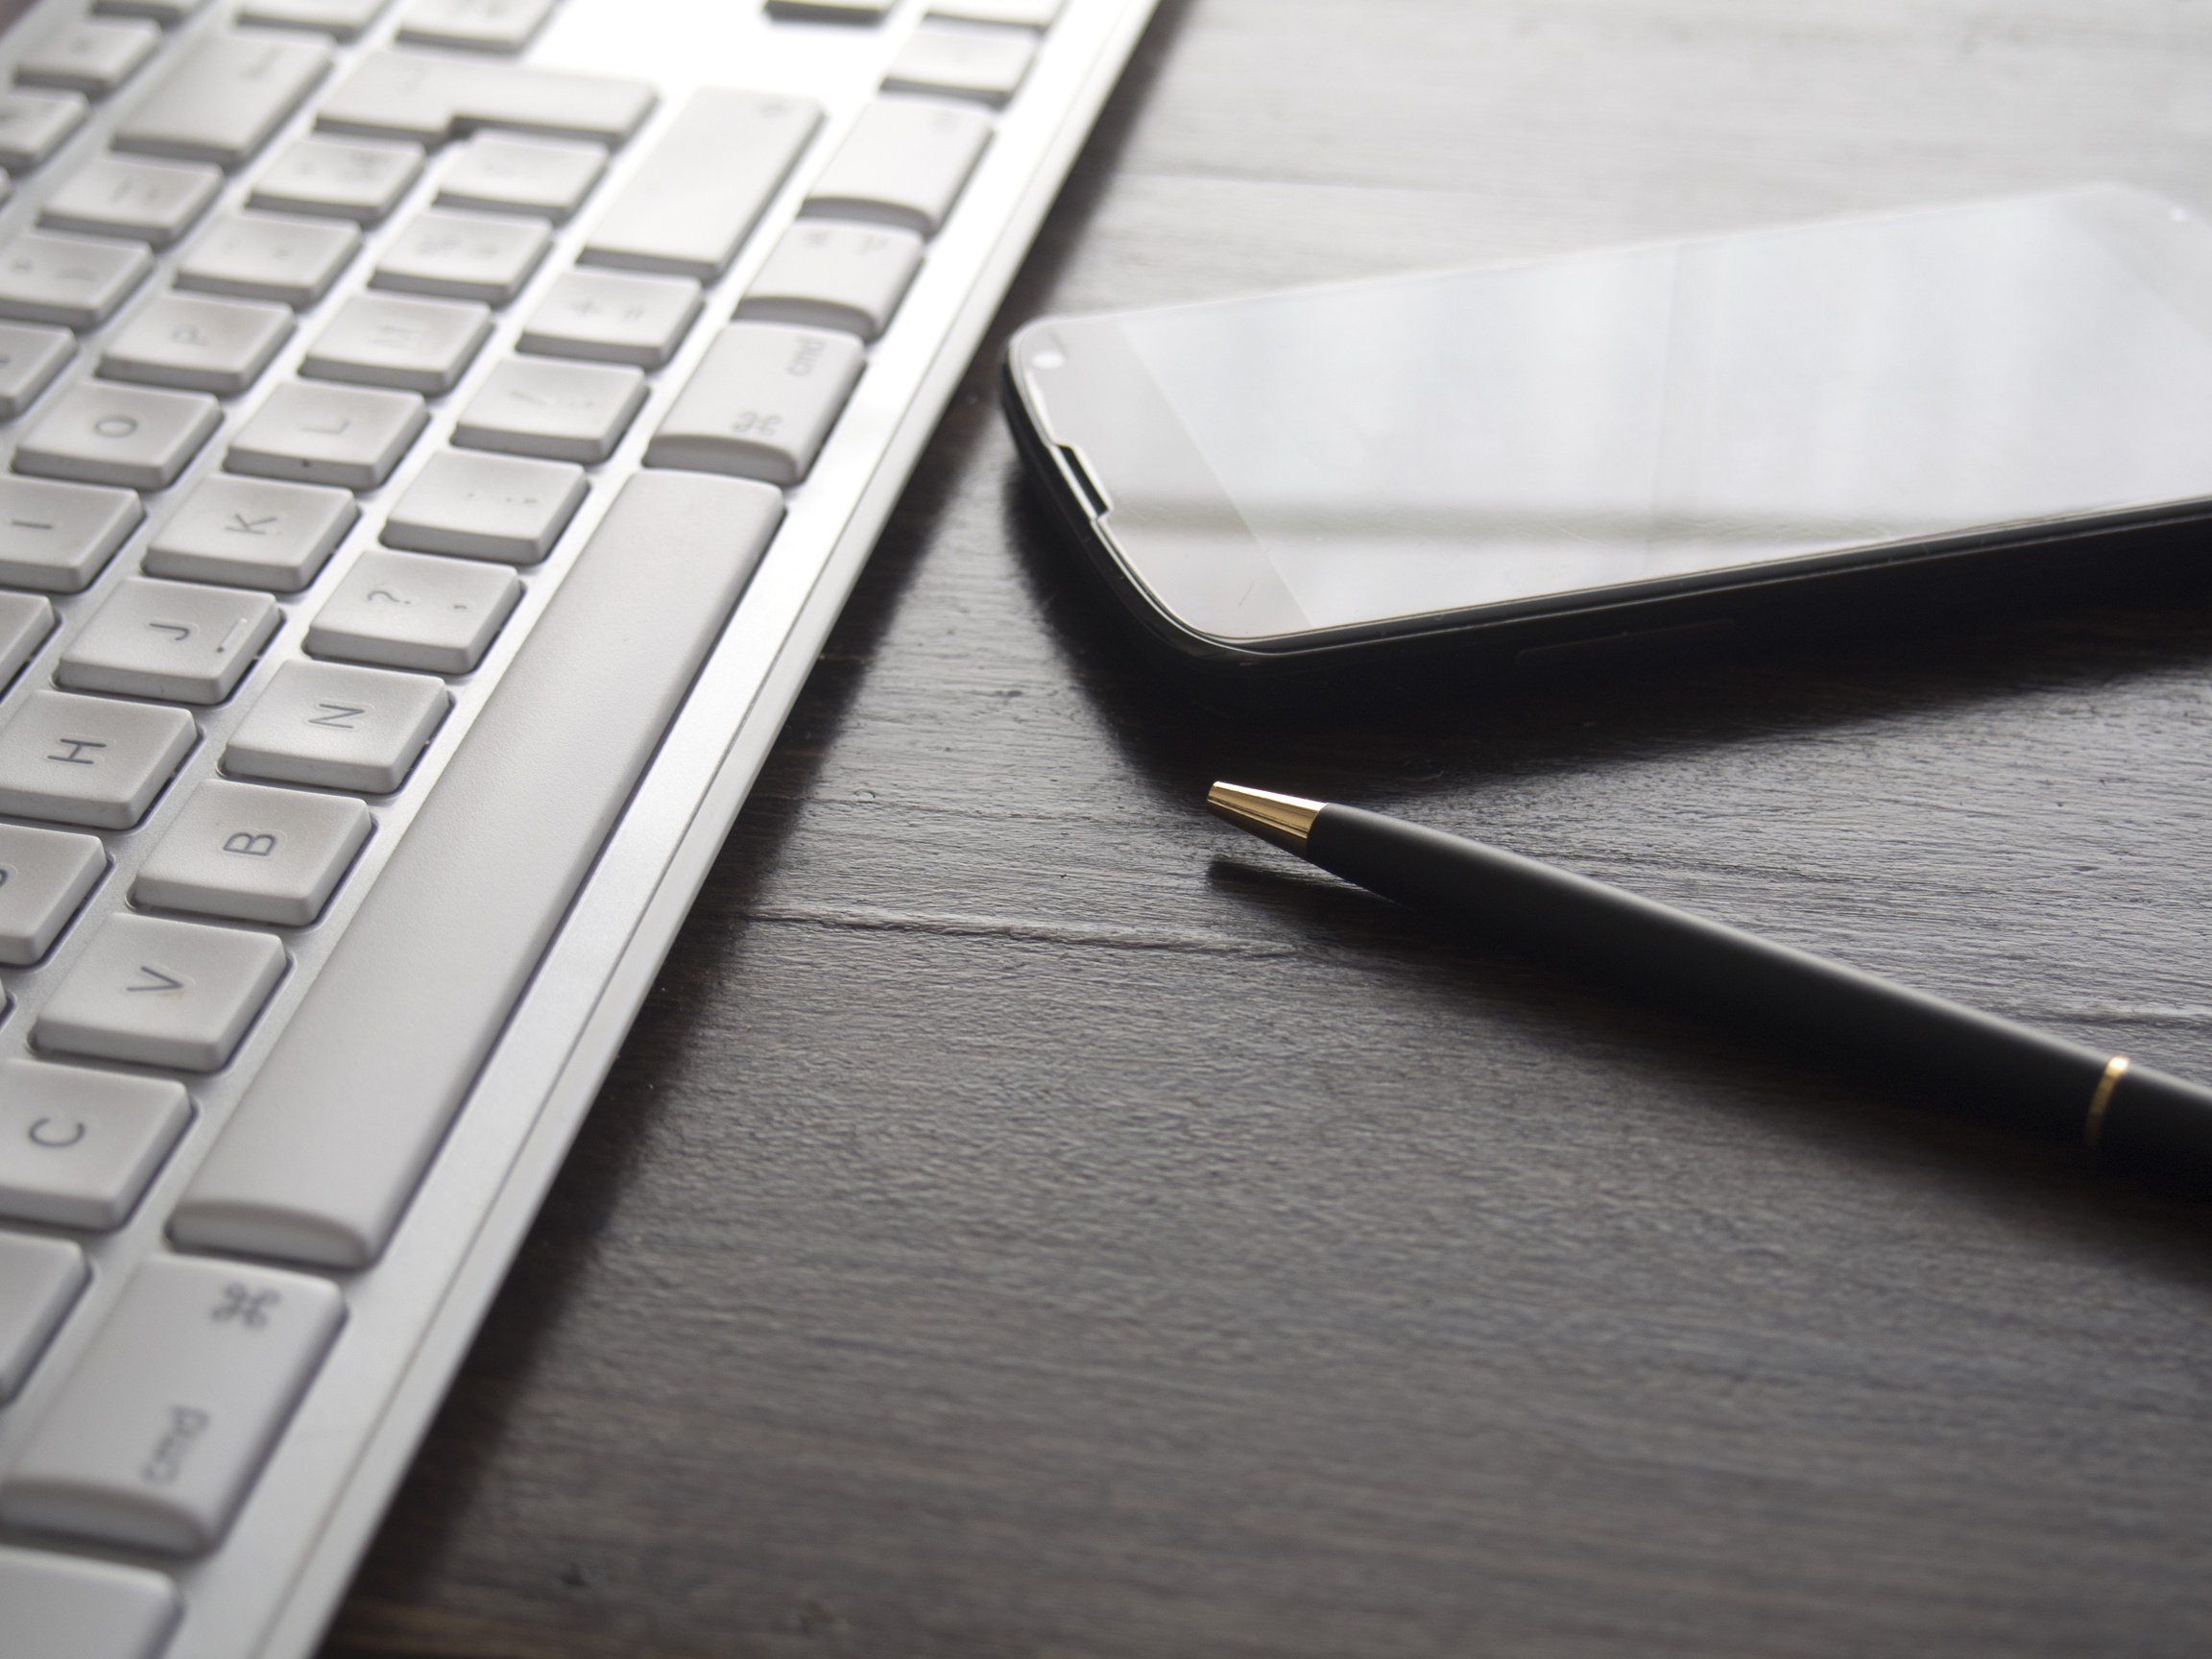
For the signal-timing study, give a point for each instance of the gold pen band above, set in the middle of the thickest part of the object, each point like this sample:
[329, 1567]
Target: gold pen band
[2100, 1102]
[1283, 819]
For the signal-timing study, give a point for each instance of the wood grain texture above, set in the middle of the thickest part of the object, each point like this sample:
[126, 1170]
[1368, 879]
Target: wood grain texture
[1029, 1222]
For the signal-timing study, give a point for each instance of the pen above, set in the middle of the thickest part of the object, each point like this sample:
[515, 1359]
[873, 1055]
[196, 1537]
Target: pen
[2128, 1114]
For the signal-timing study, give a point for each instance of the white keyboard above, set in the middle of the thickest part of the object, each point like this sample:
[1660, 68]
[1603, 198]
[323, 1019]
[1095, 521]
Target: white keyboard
[442, 433]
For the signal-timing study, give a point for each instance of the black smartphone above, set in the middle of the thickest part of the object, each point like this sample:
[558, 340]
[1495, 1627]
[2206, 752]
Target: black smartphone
[1645, 439]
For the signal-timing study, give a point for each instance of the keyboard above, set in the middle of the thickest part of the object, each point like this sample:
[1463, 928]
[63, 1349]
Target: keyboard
[440, 434]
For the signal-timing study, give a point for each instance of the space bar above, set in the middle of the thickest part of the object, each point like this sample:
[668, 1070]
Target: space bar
[326, 1146]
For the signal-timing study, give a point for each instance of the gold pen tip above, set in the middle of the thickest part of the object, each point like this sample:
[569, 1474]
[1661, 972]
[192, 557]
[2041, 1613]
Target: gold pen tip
[1283, 819]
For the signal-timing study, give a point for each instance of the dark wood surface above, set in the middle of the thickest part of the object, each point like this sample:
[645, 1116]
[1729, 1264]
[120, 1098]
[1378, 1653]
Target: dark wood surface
[1029, 1220]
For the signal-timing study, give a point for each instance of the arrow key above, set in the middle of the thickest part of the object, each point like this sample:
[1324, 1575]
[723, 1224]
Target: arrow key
[162, 993]
[171, 640]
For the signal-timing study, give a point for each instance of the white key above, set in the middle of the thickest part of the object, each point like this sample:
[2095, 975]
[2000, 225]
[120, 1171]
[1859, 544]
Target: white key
[29, 360]
[195, 345]
[485, 507]
[121, 435]
[153, 201]
[704, 184]
[478, 24]
[1020, 13]
[34, 124]
[963, 61]
[830, 11]
[39, 1277]
[91, 55]
[561, 411]
[494, 173]
[336, 727]
[415, 345]
[325, 1147]
[340, 19]
[252, 533]
[428, 100]
[824, 276]
[77, 1147]
[612, 319]
[904, 163]
[44, 876]
[64, 1608]
[89, 760]
[338, 177]
[256, 257]
[344, 435]
[462, 257]
[254, 854]
[760, 403]
[174, 1406]
[401, 611]
[223, 99]
[67, 280]
[173, 640]
[25, 621]
[158, 993]
[165, 12]
[57, 536]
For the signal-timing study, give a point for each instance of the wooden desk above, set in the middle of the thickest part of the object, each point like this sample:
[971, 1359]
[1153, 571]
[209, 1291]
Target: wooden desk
[1001, 1237]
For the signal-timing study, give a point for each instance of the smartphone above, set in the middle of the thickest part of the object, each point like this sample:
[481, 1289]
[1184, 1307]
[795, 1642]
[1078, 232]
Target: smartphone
[1636, 441]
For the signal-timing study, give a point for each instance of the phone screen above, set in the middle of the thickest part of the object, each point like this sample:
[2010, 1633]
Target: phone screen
[1446, 443]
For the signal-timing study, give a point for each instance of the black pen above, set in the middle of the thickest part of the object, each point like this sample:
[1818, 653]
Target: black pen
[2128, 1114]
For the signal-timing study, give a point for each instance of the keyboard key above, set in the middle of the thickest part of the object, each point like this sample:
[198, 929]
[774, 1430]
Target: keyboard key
[560, 411]
[256, 257]
[153, 201]
[904, 164]
[57, 536]
[963, 61]
[338, 178]
[34, 124]
[485, 507]
[195, 345]
[344, 435]
[25, 621]
[171, 640]
[336, 727]
[78, 1147]
[340, 19]
[830, 11]
[1025, 13]
[462, 257]
[704, 184]
[588, 314]
[825, 275]
[476, 25]
[39, 1277]
[160, 993]
[29, 360]
[61, 1607]
[760, 403]
[101, 434]
[401, 611]
[326, 1148]
[176, 1405]
[67, 280]
[415, 344]
[429, 99]
[223, 98]
[91, 55]
[44, 876]
[252, 533]
[254, 854]
[497, 173]
[165, 12]
[89, 760]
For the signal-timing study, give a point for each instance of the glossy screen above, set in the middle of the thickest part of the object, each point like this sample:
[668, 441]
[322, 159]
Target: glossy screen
[1478, 438]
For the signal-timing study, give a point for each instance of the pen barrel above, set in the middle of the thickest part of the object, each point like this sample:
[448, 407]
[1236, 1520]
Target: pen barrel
[2034, 1080]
